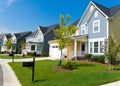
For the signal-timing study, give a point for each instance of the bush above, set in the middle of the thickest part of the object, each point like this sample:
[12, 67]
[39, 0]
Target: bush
[68, 64]
[30, 54]
[88, 56]
[100, 59]
[43, 54]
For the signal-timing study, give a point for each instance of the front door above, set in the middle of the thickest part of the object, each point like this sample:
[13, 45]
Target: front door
[82, 49]
[38, 49]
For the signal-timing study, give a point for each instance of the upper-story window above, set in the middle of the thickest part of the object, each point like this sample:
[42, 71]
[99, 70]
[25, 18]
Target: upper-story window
[96, 14]
[91, 8]
[96, 26]
[83, 29]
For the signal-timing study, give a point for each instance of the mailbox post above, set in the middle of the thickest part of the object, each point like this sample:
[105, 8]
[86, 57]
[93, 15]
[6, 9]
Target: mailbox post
[30, 64]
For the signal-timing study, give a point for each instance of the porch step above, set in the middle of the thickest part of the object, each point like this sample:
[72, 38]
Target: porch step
[80, 58]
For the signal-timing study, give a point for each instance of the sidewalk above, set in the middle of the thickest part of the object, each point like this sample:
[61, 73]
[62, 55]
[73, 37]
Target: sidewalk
[9, 77]
[117, 83]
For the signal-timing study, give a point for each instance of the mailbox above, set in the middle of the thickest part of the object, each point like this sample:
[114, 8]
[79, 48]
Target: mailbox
[28, 64]
[11, 54]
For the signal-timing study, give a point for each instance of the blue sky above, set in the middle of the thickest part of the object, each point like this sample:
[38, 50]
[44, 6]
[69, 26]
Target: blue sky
[27, 15]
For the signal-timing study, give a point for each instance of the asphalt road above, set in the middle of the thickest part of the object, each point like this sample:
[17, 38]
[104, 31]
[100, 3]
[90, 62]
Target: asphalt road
[1, 76]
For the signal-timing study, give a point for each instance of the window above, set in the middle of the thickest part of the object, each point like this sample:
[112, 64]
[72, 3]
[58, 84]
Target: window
[96, 26]
[96, 13]
[32, 47]
[101, 46]
[91, 47]
[95, 47]
[83, 29]
[91, 8]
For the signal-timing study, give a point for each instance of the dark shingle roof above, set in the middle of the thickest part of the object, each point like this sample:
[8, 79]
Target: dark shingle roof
[76, 22]
[52, 27]
[43, 29]
[110, 12]
[21, 34]
[8, 35]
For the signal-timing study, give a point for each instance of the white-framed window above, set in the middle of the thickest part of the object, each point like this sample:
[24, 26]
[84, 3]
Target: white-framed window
[96, 46]
[83, 29]
[96, 26]
[96, 13]
[91, 8]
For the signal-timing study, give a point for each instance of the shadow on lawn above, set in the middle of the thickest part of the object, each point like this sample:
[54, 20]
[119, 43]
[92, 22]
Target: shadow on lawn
[85, 65]
[42, 80]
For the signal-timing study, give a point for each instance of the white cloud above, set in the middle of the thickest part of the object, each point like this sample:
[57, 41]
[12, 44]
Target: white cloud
[10, 2]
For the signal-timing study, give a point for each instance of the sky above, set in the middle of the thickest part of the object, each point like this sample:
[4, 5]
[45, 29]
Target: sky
[27, 15]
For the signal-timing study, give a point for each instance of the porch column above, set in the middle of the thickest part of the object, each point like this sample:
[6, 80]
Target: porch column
[75, 49]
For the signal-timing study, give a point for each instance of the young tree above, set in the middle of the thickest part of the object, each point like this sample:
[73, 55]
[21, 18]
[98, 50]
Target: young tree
[8, 45]
[64, 34]
[111, 49]
[22, 45]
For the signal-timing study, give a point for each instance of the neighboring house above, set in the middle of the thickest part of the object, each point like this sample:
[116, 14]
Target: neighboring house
[38, 41]
[16, 39]
[96, 25]
[3, 39]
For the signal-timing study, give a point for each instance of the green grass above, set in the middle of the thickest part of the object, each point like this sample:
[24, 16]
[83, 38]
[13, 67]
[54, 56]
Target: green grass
[6, 56]
[45, 75]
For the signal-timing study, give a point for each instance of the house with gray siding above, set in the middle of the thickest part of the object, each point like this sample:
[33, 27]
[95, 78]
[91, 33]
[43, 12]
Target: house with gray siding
[96, 25]
[38, 41]
[16, 38]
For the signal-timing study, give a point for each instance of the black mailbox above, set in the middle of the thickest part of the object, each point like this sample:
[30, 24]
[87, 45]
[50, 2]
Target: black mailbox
[28, 64]
[11, 54]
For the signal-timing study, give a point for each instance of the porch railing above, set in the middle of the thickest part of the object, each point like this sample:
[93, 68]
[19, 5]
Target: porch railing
[79, 53]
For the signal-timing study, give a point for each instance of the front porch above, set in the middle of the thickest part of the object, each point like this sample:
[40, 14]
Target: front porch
[78, 47]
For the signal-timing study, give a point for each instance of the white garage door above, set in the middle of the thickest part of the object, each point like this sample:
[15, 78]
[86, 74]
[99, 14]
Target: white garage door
[55, 52]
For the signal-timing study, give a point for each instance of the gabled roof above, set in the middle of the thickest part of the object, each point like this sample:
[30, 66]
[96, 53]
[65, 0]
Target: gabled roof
[110, 12]
[75, 22]
[45, 30]
[21, 34]
[51, 27]
[8, 35]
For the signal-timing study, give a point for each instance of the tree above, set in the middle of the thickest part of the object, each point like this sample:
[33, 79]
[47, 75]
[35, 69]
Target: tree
[64, 34]
[111, 49]
[22, 45]
[8, 45]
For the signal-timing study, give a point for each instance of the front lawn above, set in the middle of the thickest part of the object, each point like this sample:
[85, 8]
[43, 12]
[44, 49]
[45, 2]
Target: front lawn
[6, 56]
[46, 75]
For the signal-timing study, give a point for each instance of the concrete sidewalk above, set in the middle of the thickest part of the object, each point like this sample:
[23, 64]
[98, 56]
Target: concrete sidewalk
[9, 77]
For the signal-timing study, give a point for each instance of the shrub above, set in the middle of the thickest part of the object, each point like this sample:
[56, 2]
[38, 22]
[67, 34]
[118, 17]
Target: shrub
[30, 54]
[43, 54]
[68, 64]
[88, 56]
[100, 59]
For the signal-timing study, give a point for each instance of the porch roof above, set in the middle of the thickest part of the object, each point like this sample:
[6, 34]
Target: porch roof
[81, 37]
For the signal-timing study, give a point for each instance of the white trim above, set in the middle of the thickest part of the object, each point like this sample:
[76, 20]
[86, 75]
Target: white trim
[95, 40]
[107, 29]
[91, 3]
[98, 26]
